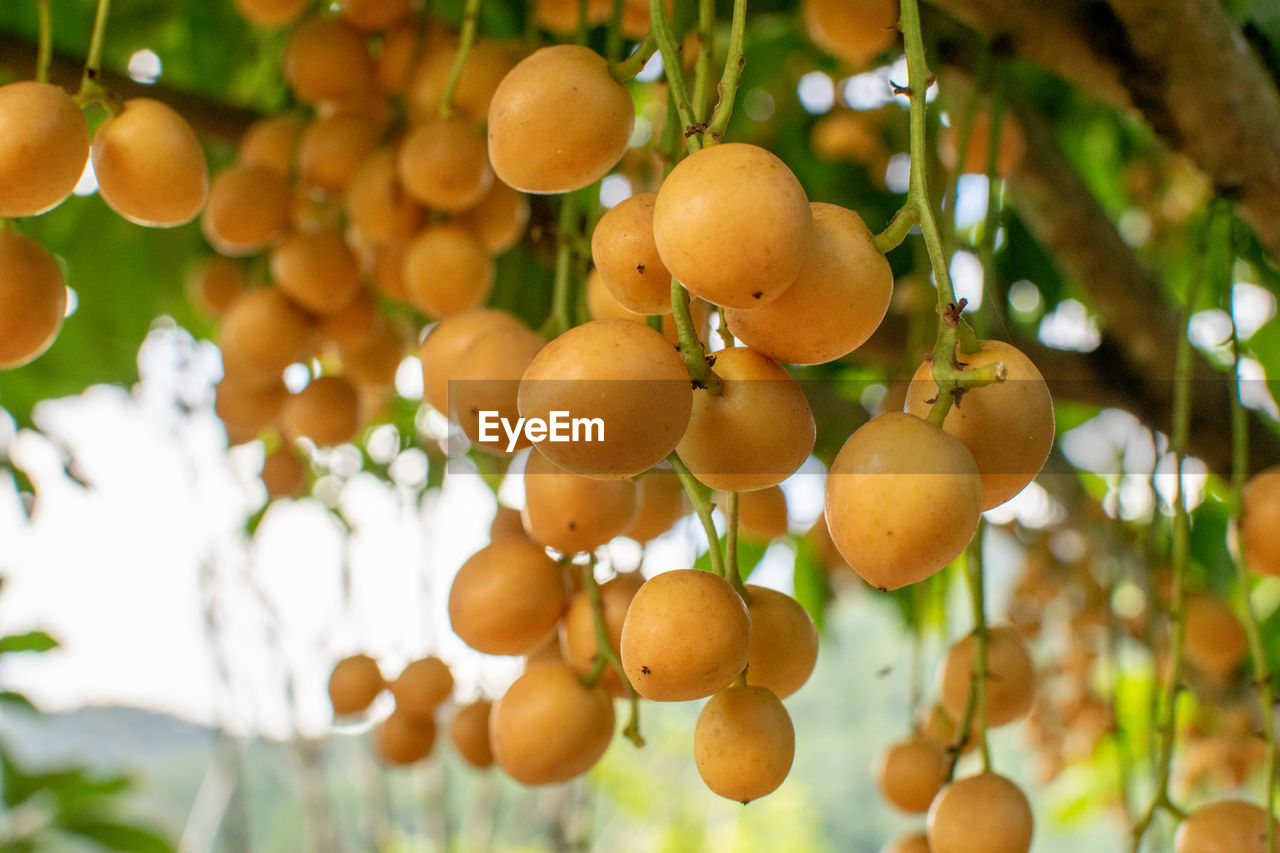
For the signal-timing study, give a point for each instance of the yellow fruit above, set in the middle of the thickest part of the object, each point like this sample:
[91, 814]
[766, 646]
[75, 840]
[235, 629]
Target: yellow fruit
[1260, 522]
[33, 299]
[378, 206]
[264, 330]
[354, 683]
[856, 31]
[578, 641]
[402, 740]
[283, 473]
[507, 598]
[744, 743]
[374, 362]
[915, 842]
[662, 502]
[325, 59]
[373, 14]
[317, 270]
[248, 207]
[507, 524]
[149, 164]
[333, 147]
[784, 642]
[447, 271]
[1215, 640]
[548, 727]
[499, 218]
[482, 72]
[687, 635]
[733, 224]
[558, 121]
[762, 514]
[910, 773]
[270, 13]
[626, 257]
[43, 150]
[215, 283]
[835, 302]
[442, 163]
[903, 500]
[271, 142]
[327, 411]
[980, 814]
[1010, 148]
[1008, 426]
[469, 732]
[421, 687]
[448, 340]
[247, 405]
[486, 380]
[572, 513]
[1010, 682]
[1225, 826]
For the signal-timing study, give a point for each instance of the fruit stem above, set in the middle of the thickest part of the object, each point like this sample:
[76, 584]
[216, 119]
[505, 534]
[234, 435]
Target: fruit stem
[466, 38]
[722, 328]
[906, 218]
[660, 30]
[561, 319]
[706, 49]
[732, 75]
[690, 345]
[977, 595]
[701, 501]
[953, 380]
[605, 655]
[731, 547]
[623, 70]
[613, 35]
[89, 85]
[44, 53]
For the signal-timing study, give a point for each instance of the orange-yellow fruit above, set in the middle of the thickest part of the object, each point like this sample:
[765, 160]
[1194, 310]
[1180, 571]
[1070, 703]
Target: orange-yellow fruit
[43, 149]
[980, 814]
[558, 121]
[421, 687]
[1225, 826]
[387, 270]
[910, 773]
[733, 224]
[1260, 522]
[687, 635]
[247, 404]
[482, 72]
[354, 683]
[662, 502]
[469, 732]
[270, 13]
[149, 164]
[325, 59]
[578, 641]
[378, 206]
[507, 598]
[784, 642]
[1010, 682]
[447, 271]
[271, 142]
[915, 842]
[248, 207]
[835, 302]
[744, 743]
[283, 473]
[448, 340]
[1215, 640]
[572, 513]
[317, 270]
[856, 32]
[1008, 426]
[401, 739]
[1010, 148]
[215, 283]
[442, 163]
[373, 14]
[33, 299]
[358, 320]
[507, 524]
[903, 500]
[756, 433]
[333, 147]
[548, 727]
[499, 218]
[762, 514]
[624, 253]
[327, 411]
[561, 16]
[624, 377]
[486, 380]
[264, 330]
[374, 361]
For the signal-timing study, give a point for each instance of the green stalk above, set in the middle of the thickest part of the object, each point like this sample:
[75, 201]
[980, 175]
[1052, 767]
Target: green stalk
[561, 319]
[702, 63]
[731, 548]
[90, 89]
[623, 70]
[690, 346]
[606, 656]
[660, 29]
[467, 37]
[44, 54]
[732, 75]
[977, 594]
[702, 508]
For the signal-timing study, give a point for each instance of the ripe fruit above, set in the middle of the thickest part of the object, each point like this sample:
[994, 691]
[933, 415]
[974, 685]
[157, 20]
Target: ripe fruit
[216, 283]
[270, 13]
[1009, 149]
[327, 411]
[835, 302]
[499, 218]
[506, 524]
[624, 374]
[1008, 426]
[283, 472]
[317, 270]
[572, 513]
[43, 150]
[421, 687]
[149, 164]
[447, 271]
[373, 14]
[910, 773]
[1260, 521]
[756, 433]
[378, 206]
[662, 503]
[265, 331]
[558, 121]
[469, 732]
[784, 642]
[548, 727]
[247, 404]
[916, 842]
[448, 340]
[354, 683]
[486, 378]
[33, 299]
[373, 362]
[442, 163]
[248, 207]
[733, 224]
[333, 147]
[578, 628]
[482, 72]
[507, 598]
[903, 500]
[325, 59]
[1215, 640]
[271, 141]
[687, 635]
[980, 814]
[624, 253]
[762, 514]
[1225, 826]
[402, 739]
[1010, 682]
[744, 743]
[855, 32]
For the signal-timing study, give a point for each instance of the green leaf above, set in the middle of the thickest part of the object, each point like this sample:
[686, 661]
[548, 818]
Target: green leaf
[17, 700]
[32, 641]
[812, 589]
[115, 835]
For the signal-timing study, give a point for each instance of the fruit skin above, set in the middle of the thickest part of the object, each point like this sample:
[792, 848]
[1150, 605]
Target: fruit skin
[325, 59]
[507, 598]
[469, 732]
[762, 514]
[327, 411]
[448, 340]
[266, 331]
[687, 635]
[986, 813]
[354, 683]
[733, 224]
[1008, 426]
[43, 149]
[548, 727]
[1226, 826]
[402, 739]
[486, 378]
[662, 502]
[578, 628]
[149, 164]
[283, 473]
[447, 270]
[1010, 683]
[572, 513]
[903, 499]
[1260, 522]
[421, 687]
[756, 433]
[558, 121]
[910, 773]
[624, 253]
[784, 642]
[834, 304]
[1215, 640]
[248, 207]
[916, 842]
[317, 271]
[853, 31]
[33, 299]
[744, 743]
